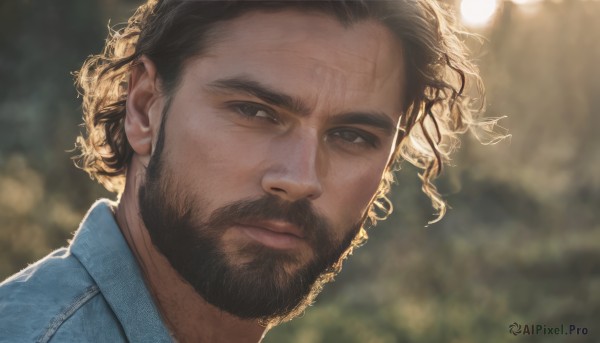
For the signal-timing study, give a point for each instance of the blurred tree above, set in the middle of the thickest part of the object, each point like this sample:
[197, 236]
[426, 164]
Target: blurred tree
[42, 196]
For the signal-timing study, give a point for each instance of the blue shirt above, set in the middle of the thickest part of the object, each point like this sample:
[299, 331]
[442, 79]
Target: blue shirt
[92, 291]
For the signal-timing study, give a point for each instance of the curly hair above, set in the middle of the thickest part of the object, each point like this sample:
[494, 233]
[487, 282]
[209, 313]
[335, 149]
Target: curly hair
[169, 32]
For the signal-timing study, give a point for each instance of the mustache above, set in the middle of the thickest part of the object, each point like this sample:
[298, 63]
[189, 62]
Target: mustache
[270, 207]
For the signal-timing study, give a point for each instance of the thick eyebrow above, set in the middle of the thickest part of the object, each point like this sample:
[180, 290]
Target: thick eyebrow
[378, 120]
[242, 84]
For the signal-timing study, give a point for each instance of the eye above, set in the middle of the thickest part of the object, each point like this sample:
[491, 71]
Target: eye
[355, 137]
[252, 111]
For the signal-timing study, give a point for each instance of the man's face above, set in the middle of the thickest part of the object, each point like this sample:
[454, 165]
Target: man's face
[275, 143]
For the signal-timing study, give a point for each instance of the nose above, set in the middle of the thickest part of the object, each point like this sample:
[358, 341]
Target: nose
[293, 173]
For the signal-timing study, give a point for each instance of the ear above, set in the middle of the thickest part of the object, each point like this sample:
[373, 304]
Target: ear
[143, 106]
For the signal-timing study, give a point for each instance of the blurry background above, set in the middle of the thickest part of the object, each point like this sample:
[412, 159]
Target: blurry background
[521, 244]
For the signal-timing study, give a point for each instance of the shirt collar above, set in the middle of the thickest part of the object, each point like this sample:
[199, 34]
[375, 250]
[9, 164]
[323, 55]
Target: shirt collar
[100, 246]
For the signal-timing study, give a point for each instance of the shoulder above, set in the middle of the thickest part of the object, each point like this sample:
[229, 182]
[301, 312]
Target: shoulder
[47, 298]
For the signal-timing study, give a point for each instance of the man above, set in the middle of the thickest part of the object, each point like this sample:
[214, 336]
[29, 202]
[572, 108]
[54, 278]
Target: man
[251, 143]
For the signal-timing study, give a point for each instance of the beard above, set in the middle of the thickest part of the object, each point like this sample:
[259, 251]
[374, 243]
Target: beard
[248, 280]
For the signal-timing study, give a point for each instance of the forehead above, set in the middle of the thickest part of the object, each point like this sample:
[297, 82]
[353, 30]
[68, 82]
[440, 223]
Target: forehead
[310, 55]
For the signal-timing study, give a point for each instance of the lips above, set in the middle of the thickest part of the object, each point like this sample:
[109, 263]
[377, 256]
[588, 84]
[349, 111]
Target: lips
[277, 226]
[273, 233]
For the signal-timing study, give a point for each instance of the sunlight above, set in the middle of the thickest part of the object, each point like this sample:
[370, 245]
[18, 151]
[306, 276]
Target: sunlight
[526, 2]
[477, 12]
[528, 7]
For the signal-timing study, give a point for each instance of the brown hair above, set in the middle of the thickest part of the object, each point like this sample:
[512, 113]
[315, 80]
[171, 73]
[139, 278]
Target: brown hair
[169, 32]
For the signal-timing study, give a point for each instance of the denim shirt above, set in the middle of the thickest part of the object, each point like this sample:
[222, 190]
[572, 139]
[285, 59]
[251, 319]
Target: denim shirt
[92, 291]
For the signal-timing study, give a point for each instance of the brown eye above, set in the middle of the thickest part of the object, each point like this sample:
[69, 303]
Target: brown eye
[251, 111]
[354, 137]
[350, 136]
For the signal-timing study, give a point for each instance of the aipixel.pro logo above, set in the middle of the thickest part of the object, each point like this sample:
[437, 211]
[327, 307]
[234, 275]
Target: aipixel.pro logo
[517, 329]
[514, 328]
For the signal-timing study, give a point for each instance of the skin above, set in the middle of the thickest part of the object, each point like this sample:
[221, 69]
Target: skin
[222, 153]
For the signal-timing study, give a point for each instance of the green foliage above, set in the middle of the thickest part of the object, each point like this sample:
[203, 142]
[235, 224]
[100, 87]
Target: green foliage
[42, 196]
[521, 244]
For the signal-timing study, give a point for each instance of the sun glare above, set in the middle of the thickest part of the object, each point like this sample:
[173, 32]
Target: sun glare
[526, 2]
[477, 12]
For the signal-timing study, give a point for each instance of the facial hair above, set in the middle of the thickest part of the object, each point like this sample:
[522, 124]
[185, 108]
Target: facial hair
[270, 284]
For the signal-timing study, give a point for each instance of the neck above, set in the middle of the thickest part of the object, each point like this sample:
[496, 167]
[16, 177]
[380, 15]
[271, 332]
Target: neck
[186, 314]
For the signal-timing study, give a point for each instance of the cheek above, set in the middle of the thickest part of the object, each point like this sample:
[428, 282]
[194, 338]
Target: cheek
[352, 191]
[211, 158]
[366, 186]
